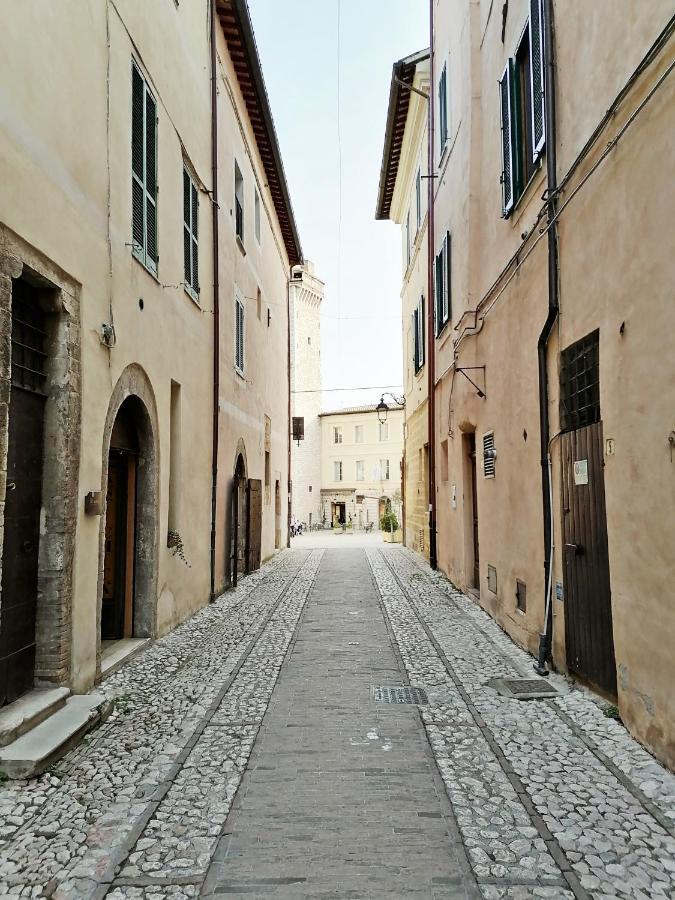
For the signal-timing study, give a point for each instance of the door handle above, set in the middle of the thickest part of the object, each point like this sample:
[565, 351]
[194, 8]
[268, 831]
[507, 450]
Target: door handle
[11, 485]
[578, 549]
[27, 546]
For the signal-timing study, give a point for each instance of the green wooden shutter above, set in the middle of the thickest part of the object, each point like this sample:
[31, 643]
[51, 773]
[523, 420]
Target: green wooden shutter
[151, 179]
[195, 237]
[422, 331]
[438, 293]
[187, 236]
[415, 343]
[507, 129]
[537, 78]
[447, 273]
[137, 161]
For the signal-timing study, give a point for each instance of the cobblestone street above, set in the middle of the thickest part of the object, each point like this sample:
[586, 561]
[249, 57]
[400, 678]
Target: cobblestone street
[249, 754]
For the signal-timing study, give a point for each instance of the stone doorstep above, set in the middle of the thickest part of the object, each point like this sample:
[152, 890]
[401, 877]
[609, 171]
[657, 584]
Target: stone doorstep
[119, 653]
[28, 711]
[32, 753]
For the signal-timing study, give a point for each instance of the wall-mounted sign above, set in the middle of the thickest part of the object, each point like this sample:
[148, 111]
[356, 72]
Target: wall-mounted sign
[580, 471]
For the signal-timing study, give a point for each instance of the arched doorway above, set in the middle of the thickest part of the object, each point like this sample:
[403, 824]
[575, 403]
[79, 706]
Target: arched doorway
[238, 555]
[129, 530]
[117, 601]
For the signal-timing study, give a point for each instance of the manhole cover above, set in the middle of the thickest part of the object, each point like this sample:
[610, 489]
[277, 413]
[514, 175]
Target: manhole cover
[398, 693]
[523, 688]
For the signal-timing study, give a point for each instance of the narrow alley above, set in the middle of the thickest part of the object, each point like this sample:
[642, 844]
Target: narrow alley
[269, 747]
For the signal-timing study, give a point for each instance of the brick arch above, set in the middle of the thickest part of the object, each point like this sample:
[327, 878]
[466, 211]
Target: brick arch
[134, 383]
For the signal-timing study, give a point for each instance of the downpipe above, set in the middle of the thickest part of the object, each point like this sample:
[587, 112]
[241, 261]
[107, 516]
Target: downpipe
[216, 306]
[431, 336]
[546, 636]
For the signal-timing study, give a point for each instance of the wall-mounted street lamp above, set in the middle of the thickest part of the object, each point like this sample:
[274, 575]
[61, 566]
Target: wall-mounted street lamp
[382, 408]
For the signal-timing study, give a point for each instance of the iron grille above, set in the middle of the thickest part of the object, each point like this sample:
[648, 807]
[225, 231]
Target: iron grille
[28, 337]
[528, 686]
[580, 383]
[489, 455]
[398, 693]
[521, 595]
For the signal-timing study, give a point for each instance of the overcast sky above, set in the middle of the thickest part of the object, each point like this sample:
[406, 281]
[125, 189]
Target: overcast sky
[357, 257]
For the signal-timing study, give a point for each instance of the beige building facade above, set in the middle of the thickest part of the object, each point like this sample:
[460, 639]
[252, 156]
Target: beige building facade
[113, 196]
[306, 299]
[554, 370]
[361, 460]
[402, 198]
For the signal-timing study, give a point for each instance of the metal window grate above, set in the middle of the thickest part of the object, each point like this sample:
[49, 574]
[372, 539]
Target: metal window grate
[521, 595]
[489, 457]
[398, 693]
[580, 383]
[28, 337]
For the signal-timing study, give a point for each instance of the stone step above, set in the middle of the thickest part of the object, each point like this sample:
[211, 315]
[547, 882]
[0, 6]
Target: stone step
[35, 751]
[28, 711]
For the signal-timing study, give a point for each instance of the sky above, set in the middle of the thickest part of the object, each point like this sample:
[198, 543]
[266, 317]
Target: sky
[358, 258]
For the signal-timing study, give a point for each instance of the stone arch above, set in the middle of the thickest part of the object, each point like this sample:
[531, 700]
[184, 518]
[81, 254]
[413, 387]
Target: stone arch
[134, 385]
[238, 513]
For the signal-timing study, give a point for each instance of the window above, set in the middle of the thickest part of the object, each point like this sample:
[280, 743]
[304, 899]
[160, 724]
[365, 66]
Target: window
[358, 434]
[580, 383]
[444, 460]
[337, 471]
[256, 216]
[521, 596]
[337, 434]
[238, 203]
[143, 171]
[174, 457]
[268, 489]
[310, 489]
[384, 431]
[443, 110]
[418, 335]
[360, 469]
[190, 232]
[239, 333]
[407, 240]
[521, 95]
[384, 470]
[418, 197]
[489, 455]
[442, 285]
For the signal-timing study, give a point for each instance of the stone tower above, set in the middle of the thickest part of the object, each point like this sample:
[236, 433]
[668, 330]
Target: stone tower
[306, 296]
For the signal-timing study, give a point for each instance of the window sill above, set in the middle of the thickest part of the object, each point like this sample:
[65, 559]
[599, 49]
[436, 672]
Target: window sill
[141, 262]
[527, 192]
[239, 373]
[240, 244]
[192, 294]
[445, 324]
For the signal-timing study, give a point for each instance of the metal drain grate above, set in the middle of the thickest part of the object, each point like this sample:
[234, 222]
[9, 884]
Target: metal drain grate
[523, 688]
[398, 693]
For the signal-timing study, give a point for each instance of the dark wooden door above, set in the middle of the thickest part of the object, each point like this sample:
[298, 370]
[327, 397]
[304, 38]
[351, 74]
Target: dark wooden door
[474, 509]
[588, 606]
[117, 598]
[23, 500]
[254, 524]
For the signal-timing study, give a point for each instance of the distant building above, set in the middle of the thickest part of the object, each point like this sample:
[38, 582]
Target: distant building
[360, 465]
[403, 199]
[306, 296]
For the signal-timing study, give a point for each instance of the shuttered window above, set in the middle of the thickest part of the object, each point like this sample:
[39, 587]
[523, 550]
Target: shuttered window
[522, 110]
[190, 235]
[418, 198]
[506, 103]
[418, 335]
[239, 334]
[442, 284]
[443, 110]
[144, 171]
[238, 203]
[537, 77]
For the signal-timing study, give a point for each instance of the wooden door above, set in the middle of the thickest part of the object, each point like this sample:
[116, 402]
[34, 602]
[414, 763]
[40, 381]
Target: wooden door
[588, 606]
[474, 509]
[254, 524]
[277, 516]
[118, 561]
[23, 497]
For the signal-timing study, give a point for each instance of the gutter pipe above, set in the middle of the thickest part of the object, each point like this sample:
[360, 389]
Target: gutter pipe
[289, 424]
[545, 638]
[431, 336]
[216, 284]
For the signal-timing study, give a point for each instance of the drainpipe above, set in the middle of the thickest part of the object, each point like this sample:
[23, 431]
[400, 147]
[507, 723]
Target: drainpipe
[545, 638]
[290, 421]
[431, 337]
[216, 312]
